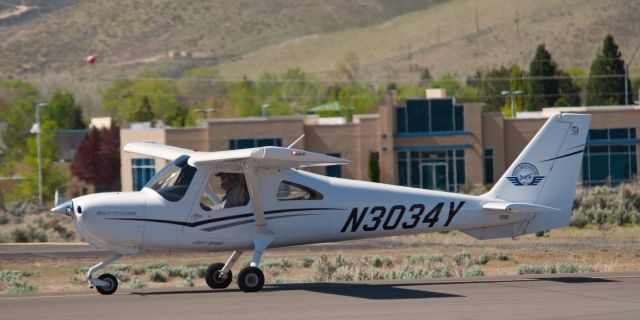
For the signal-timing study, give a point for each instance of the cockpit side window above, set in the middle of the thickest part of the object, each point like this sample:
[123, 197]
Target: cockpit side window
[294, 191]
[172, 182]
[224, 190]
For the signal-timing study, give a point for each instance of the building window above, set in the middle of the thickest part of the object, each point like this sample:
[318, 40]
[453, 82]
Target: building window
[254, 142]
[610, 157]
[488, 166]
[429, 115]
[142, 169]
[435, 170]
[333, 171]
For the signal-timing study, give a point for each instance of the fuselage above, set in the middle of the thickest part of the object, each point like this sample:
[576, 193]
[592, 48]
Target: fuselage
[129, 222]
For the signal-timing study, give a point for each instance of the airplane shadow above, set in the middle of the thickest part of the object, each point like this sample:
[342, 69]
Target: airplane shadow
[355, 290]
[381, 291]
[363, 291]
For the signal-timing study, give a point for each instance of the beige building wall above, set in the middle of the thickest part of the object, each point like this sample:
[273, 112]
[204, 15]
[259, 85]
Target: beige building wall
[474, 156]
[220, 131]
[493, 138]
[334, 139]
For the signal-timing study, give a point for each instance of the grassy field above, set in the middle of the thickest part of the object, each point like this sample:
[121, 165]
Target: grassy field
[567, 250]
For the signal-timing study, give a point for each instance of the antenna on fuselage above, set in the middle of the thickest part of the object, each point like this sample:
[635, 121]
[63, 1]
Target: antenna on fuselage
[296, 141]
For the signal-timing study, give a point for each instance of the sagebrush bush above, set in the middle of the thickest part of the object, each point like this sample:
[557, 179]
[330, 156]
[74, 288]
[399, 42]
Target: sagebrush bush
[307, 262]
[135, 283]
[21, 287]
[156, 275]
[484, 258]
[604, 205]
[32, 233]
[474, 272]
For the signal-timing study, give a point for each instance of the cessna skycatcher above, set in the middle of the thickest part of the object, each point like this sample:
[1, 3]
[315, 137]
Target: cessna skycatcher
[254, 199]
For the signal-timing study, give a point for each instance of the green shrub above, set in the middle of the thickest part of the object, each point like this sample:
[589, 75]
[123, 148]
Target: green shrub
[307, 262]
[341, 261]
[156, 265]
[10, 275]
[440, 272]
[531, 269]
[416, 258]
[156, 275]
[503, 256]
[4, 218]
[324, 269]
[276, 263]
[474, 272]
[436, 258]
[188, 282]
[4, 237]
[21, 287]
[135, 283]
[380, 261]
[484, 258]
[30, 234]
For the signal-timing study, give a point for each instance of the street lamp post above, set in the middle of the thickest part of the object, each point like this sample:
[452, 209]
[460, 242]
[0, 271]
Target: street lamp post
[38, 106]
[205, 112]
[513, 94]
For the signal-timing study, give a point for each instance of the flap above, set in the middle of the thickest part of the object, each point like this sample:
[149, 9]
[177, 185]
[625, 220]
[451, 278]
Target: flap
[156, 150]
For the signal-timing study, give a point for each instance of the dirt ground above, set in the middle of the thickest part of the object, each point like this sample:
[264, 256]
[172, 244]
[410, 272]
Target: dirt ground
[616, 249]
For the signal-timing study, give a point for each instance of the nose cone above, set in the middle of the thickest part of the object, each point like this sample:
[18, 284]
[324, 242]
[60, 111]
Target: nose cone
[65, 208]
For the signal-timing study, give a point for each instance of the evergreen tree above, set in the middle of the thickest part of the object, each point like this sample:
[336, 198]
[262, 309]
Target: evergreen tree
[544, 86]
[64, 111]
[606, 79]
[489, 84]
[569, 92]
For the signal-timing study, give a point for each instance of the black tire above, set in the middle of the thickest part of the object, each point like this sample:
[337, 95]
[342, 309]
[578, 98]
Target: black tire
[250, 279]
[214, 279]
[109, 289]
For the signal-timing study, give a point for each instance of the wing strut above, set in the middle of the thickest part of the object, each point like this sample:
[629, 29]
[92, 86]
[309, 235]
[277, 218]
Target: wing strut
[262, 235]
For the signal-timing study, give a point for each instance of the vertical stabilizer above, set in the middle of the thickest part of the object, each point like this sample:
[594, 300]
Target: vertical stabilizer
[547, 170]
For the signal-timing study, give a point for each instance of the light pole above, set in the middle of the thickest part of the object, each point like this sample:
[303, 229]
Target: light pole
[264, 109]
[205, 112]
[37, 127]
[626, 76]
[513, 94]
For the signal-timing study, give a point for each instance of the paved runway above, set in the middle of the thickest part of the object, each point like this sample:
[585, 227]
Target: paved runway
[583, 297]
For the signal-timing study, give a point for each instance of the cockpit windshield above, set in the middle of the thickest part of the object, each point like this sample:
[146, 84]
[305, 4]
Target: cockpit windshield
[173, 180]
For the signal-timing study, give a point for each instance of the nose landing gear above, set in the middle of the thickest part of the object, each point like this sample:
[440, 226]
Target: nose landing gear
[106, 284]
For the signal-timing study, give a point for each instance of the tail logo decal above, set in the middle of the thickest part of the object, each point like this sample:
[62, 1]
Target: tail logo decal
[525, 174]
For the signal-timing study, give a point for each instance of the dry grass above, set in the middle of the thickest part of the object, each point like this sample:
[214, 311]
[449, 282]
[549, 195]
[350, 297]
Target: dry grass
[612, 250]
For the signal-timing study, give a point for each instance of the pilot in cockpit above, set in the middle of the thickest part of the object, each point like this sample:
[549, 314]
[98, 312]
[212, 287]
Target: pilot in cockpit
[235, 188]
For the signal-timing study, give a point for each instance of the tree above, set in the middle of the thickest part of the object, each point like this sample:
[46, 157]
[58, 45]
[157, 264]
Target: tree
[53, 177]
[606, 78]
[64, 111]
[97, 159]
[568, 91]
[516, 83]
[125, 98]
[489, 84]
[544, 86]
[374, 166]
[19, 99]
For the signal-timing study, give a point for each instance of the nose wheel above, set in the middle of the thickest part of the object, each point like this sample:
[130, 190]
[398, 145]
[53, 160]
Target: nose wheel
[215, 278]
[108, 285]
[250, 279]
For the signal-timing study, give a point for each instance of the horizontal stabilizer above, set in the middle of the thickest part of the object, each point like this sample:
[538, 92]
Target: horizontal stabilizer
[519, 207]
[156, 150]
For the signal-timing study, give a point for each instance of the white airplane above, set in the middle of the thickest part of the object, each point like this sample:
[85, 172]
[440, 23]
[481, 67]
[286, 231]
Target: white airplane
[182, 208]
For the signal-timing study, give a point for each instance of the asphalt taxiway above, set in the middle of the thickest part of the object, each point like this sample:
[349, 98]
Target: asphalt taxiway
[584, 297]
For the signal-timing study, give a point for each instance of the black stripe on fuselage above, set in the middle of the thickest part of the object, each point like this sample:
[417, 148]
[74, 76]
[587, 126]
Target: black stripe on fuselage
[203, 222]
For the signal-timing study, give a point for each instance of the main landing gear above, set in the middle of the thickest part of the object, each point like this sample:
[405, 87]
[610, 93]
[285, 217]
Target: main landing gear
[250, 279]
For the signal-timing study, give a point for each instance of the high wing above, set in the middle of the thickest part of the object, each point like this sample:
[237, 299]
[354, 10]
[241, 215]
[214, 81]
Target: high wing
[267, 158]
[263, 157]
[156, 150]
